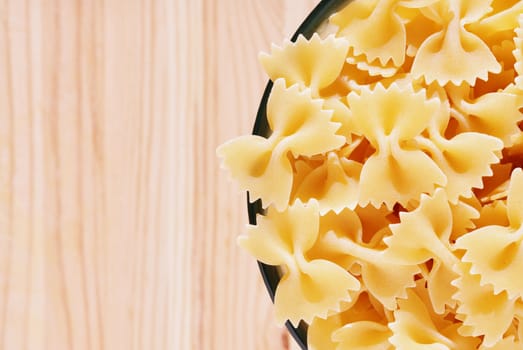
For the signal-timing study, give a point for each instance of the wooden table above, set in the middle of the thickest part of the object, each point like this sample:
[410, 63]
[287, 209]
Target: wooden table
[117, 226]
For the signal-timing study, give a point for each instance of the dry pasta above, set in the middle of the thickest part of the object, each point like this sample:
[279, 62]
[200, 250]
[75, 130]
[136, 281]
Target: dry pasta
[392, 177]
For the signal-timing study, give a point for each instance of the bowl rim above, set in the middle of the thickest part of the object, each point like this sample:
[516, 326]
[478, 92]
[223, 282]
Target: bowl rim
[270, 274]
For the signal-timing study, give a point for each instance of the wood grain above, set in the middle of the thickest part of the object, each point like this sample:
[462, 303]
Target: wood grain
[117, 227]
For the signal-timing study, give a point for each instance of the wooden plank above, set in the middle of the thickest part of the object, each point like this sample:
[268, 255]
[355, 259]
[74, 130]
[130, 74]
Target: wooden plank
[118, 227]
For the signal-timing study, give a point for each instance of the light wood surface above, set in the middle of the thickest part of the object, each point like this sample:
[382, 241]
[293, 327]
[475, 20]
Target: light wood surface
[117, 227]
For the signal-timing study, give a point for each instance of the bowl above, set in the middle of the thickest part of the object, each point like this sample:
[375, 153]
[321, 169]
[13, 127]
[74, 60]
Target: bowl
[270, 274]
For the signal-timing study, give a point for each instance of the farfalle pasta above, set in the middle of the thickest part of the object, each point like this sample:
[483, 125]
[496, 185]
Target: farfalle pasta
[309, 287]
[312, 64]
[391, 180]
[438, 57]
[299, 127]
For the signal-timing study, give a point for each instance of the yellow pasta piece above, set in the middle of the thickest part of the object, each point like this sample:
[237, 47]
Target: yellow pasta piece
[495, 113]
[387, 118]
[483, 312]
[424, 234]
[501, 264]
[315, 290]
[386, 280]
[299, 123]
[436, 58]
[313, 63]
[308, 288]
[373, 29]
[465, 159]
[299, 127]
[383, 278]
[254, 164]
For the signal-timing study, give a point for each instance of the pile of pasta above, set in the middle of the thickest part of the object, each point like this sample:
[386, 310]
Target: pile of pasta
[391, 180]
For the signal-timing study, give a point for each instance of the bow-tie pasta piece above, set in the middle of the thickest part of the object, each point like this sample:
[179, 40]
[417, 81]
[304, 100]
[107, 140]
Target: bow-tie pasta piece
[373, 29]
[501, 264]
[437, 56]
[308, 288]
[314, 289]
[384, 279]
[299, 127]
[423, 234]
[313, 63]
[415, 328]
[388, 118]
[483, 312]
[299, 123]
[496, 113]
[253, 164]
[465, 159]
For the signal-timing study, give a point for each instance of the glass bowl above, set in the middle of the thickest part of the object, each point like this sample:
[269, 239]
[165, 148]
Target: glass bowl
[270, 274]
